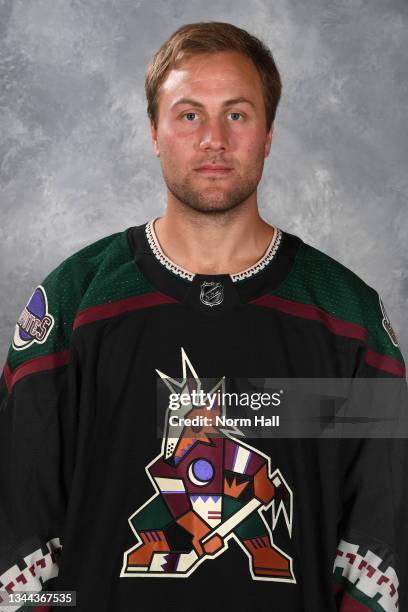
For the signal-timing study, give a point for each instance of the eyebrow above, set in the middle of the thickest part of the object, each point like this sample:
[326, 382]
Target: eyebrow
[229, 102]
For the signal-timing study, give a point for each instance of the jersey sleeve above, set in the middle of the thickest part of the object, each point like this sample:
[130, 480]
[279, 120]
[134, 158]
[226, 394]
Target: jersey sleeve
[370, 565]
[38, 390]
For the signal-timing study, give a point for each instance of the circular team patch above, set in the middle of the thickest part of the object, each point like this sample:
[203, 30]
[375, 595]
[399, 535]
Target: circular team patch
[35, 322]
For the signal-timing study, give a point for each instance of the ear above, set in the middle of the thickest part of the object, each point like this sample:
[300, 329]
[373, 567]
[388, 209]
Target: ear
[153, 131]
[268, 141]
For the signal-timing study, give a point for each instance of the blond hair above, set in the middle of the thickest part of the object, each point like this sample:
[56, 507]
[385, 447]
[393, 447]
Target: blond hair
[212, 37]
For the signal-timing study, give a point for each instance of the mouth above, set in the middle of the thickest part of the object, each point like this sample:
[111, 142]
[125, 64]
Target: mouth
[214, 171]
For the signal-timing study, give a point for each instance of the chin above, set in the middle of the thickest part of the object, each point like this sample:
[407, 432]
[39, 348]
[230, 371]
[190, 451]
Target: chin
[213, 207]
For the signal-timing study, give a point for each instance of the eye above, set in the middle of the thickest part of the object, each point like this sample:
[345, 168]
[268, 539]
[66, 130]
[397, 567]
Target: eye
[236, 115]
[189, 115]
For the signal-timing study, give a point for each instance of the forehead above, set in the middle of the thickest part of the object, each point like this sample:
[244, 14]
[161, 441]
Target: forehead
[227, 72]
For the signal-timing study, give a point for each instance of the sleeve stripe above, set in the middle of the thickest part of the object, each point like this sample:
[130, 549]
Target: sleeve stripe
[45, 362]
[362, 574]
[314, 313]
[336, 326]
[33, 571]
[348, 603]
[105, 311]
[383, 362]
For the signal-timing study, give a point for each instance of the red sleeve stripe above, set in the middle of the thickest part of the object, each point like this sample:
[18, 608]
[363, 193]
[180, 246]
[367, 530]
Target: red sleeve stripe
[336, 326]
[88, 315]
[45, 362]
[348, 603]
[308, 311]
[383, 362]
[105, 311]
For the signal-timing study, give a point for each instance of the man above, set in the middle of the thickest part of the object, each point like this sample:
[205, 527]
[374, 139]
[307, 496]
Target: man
[133, 507]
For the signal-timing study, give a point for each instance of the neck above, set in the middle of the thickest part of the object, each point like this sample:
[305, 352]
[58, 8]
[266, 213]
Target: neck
[213, 243]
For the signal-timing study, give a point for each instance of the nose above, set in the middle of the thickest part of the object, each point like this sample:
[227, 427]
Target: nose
[213, 135]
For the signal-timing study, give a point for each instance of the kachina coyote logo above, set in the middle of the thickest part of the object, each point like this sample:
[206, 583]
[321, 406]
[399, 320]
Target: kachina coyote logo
[209, 488]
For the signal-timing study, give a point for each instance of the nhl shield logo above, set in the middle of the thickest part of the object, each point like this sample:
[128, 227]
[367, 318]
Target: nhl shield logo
[212, 293]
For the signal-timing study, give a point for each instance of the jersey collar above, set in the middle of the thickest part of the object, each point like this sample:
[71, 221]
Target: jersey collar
[183, 273]
[212, 294]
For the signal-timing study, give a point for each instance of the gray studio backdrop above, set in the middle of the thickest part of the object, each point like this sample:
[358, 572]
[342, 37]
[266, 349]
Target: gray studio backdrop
[76, 162]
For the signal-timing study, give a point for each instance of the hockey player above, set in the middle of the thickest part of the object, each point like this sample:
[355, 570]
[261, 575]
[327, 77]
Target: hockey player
[311, 524]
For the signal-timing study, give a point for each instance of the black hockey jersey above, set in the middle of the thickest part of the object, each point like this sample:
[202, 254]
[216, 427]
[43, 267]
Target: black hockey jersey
[109, 491]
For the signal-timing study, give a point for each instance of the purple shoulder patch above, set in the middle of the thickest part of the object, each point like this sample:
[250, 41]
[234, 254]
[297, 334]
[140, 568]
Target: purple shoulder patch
[35, 322]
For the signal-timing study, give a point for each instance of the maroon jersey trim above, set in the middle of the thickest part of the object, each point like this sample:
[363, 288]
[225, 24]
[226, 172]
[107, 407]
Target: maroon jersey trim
[337, 326]
[45, 362]
[104, 311]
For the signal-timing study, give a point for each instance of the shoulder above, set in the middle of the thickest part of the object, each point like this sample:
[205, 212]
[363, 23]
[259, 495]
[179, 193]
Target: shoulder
[343, 299]
[45, 325]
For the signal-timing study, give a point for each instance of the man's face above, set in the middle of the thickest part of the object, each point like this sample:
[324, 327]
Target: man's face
[212, 112]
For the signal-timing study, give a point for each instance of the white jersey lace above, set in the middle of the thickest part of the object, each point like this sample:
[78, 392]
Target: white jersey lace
[183, 273]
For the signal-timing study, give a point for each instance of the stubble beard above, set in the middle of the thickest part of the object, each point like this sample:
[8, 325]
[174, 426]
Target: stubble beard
[213, 198]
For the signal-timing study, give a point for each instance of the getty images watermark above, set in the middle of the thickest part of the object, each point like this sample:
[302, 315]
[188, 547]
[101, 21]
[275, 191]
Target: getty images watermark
[208, 408]
[284, 407]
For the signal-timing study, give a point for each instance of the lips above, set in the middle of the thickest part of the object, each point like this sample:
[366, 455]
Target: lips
[213, 169]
